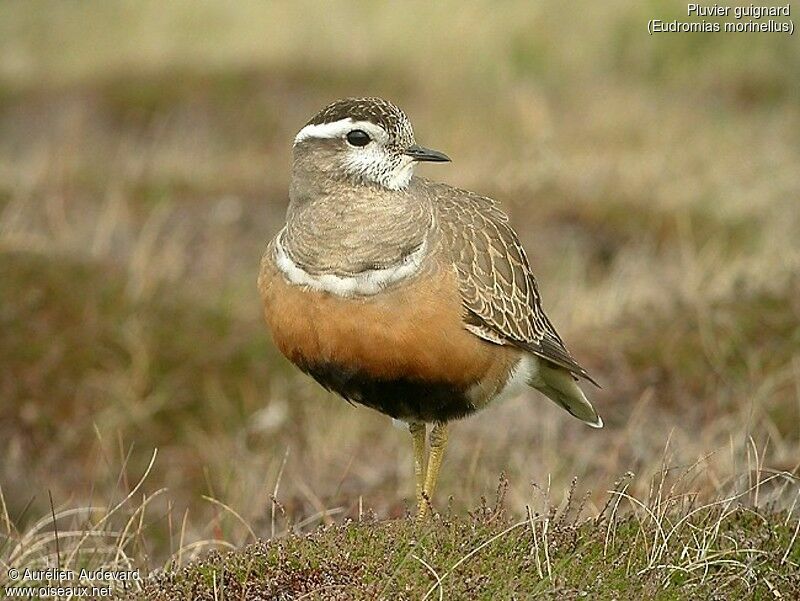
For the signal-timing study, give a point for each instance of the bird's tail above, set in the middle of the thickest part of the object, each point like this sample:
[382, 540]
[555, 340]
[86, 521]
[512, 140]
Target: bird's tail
[559, 385]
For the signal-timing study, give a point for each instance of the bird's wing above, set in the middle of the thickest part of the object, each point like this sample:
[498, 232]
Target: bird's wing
[497, 287]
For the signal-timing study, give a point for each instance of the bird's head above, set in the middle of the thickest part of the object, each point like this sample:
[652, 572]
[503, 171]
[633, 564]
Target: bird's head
[365, 140]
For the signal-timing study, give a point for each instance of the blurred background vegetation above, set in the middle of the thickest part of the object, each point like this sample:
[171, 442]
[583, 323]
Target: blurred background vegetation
[144, 154]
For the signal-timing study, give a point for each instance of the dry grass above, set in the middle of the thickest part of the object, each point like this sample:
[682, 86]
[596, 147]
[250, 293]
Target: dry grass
[143, 166]
[665, 546]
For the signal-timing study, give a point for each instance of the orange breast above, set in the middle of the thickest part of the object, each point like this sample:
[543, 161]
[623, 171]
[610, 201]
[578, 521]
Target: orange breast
[411, 331]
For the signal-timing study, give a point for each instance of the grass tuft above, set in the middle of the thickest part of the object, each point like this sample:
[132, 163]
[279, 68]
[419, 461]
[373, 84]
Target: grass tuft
[664, 546]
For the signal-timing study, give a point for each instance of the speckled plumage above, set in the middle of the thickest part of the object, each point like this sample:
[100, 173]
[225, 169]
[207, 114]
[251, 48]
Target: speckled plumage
[497, 285]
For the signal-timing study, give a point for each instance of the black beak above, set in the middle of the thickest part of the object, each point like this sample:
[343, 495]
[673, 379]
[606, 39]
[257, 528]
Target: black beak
[420, 153]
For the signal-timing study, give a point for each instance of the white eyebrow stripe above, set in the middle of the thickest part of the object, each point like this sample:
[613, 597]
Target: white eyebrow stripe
[336, 129]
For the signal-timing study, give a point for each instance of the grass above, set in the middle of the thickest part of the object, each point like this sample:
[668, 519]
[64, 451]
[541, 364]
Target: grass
[665, 547]
[144, 165]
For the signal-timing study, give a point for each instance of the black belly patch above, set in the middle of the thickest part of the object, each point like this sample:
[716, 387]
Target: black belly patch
[401, 398]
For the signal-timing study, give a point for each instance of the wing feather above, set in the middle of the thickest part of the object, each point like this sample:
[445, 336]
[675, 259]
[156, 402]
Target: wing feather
[497, 287]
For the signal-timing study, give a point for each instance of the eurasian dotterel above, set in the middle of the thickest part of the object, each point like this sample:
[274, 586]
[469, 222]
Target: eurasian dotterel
[405, 295]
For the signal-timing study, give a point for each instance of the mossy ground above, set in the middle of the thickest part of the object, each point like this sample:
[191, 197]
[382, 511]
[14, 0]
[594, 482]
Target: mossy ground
[714, 554]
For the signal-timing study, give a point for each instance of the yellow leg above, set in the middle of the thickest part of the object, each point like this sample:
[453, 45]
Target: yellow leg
[418, 431]
[438, 445]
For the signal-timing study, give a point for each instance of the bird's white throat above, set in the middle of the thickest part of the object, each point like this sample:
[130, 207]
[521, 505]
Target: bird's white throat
[363, 283]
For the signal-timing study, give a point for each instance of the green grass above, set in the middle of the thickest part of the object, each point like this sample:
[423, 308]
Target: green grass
[722, 551]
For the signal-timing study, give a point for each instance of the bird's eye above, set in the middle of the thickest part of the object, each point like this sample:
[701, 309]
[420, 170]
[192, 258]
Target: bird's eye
[358, 137]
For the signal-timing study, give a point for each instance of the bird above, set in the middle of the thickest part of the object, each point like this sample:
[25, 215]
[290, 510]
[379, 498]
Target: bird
[409, 296]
